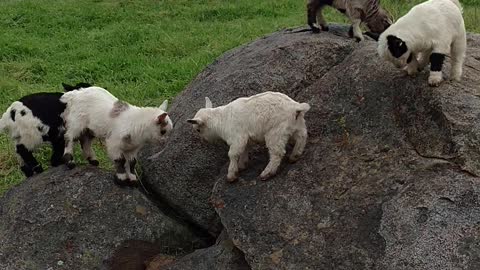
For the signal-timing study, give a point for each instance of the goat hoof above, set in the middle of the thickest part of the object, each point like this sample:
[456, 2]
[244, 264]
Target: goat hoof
[27, 171]
[231, 179]
[67, 158]
[132, 183]
[38, 169]
[325, 28]
[293, 159]
[71, 165]
[93, 162]
[121, 180]
[265, 177]
[357, 39]
[315, 30]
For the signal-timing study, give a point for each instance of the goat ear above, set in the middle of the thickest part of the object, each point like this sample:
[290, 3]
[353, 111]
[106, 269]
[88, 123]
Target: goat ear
[67, 87]
[161, 119]
[195, 121]
[164, 105]
[208, 103]
[374, 36]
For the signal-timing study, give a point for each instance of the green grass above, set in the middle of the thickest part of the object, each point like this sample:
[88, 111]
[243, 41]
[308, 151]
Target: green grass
[141, 50]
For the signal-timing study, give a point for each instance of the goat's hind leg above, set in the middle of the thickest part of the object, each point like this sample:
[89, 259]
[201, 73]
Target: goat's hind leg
[70, 135]
[300, 139]
[458, 52]
[86, 140]
[276, 144]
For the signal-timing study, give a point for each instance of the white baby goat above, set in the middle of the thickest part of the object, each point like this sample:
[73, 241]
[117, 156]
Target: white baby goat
[268, 117]
[428, 32]
[93, 111]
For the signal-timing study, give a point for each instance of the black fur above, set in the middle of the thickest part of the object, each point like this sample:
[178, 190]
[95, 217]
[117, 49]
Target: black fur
[410, 58]
[133, 163]
[31, 165]
[372, 35]
[396, 46]
[436, 61]
[12, 115]
[47, 107]
[69, 88]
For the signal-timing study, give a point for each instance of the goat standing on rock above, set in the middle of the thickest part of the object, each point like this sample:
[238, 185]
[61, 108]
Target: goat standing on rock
[358, 11]
[33, 120]
[94, 112]
[427, 33]
[268, 117]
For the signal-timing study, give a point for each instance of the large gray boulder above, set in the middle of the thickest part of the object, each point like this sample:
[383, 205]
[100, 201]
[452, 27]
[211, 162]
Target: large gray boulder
[75, 219]
[389, 179]
[183, 171]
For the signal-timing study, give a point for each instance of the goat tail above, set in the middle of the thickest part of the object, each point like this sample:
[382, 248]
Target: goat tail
[303, 107]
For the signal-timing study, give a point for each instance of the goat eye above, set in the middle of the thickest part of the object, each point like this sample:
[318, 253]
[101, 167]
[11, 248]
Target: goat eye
[198, 130]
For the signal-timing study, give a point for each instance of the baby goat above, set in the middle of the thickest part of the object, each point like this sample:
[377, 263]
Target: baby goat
[268, 117]
[427, 33]
[358, 11]
[95, 113]
[33, 120]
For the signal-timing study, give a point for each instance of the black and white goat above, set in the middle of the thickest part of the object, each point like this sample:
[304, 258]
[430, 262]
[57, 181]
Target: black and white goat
[427, 33]
[93, 112]
[358, 11]
[33, 120]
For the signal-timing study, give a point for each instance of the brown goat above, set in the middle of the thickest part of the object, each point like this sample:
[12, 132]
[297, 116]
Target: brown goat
[358, 11]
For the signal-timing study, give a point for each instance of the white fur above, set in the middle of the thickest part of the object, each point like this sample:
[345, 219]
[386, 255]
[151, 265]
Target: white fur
[125, 134]
[25, 129]
[270, 117]
[435, 26]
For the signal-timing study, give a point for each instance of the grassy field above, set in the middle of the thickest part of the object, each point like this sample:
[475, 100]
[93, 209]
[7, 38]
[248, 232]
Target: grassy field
[141, 50]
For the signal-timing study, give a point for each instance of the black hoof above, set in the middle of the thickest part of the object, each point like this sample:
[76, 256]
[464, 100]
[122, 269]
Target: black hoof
[70, 165]
[93, 162]
[315, 30]
[133, 184]
[121, 183]
[350, 32]
[38, 169]
[27, 171]
[325, 28]
[56, 163]
[357, 39]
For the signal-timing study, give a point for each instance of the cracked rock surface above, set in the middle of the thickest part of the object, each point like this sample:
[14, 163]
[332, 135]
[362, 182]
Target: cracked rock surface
[389, 179]
[75, 219]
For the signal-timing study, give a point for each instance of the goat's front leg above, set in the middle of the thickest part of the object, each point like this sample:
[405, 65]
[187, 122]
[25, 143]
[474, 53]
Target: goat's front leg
[116, 154]
[412, 65]
[242, 163]
[121, 176]
[314, 13]
[234, 153]
[58, 146]
[355, 16]
[29, 165]
[436, 64]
